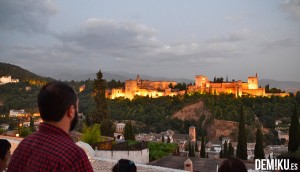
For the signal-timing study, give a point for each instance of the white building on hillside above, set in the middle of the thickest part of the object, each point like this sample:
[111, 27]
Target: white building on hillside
[7, 79]
[15, 113]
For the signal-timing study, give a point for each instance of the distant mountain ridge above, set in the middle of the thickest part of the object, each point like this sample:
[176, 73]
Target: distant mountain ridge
[289, 86]
[110, 76]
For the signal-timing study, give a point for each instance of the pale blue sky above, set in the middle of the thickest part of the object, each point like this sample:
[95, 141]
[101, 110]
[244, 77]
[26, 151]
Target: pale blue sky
[171, 38]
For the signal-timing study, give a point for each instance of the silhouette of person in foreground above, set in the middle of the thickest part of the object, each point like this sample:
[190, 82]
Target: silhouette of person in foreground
[51, 148]
[4, 154]
[124, 165]
[232, 165]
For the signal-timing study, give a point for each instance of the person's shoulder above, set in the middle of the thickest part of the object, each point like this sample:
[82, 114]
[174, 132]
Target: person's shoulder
[72, 149]
[29, 138]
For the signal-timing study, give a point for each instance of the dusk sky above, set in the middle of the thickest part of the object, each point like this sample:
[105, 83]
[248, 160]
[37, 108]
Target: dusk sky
[168, 38]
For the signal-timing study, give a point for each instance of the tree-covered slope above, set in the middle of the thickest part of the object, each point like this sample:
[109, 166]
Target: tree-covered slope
[17, 72]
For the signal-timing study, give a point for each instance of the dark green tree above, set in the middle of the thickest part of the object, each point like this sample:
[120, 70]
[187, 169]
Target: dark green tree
[298, 97]
[106, 127]
[99, 97]
[222, 153]
[32, 124]
[129, 131]
[294, 131]
[87, 120]
[230, 150]
[259, 149]
[101, 115]
[267, 88]
[225, 149]
[202, 151]
[196, 146]
[241, 151]
[191, 150]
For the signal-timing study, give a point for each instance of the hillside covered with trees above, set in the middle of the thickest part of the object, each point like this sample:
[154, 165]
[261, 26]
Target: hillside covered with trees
[23, 75]
[154, 115]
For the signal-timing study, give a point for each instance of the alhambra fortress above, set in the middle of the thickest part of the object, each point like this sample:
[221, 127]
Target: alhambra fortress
[202, 84]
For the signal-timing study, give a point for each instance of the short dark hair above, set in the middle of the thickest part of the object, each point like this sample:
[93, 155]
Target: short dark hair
[54, 99]
[232, 165]
[124, 165]
[4, 147]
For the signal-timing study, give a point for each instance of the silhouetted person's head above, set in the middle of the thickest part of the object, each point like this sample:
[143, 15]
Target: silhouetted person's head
[57, 102]
[124, 165]
[4, 153]
[232, 165]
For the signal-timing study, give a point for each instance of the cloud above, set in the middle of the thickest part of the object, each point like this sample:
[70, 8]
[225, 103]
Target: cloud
[236, 18]
[107, 44]
[231, 37]
[29, 16]
[133, 41]
[106, 33]
[271, 45]
[292, 7]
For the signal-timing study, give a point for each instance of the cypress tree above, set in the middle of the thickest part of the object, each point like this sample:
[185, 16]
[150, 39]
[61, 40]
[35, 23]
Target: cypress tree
[230, 150]
[196, 147]
[163, 138]
[132, 131]
[191, 150]
[101, 115]
[202, 151]
[225, 150]
[241, 151]
[129, 131]
[32, 124]
[169, 139]
[99, 97]
[126, 132]
[294, 130]
[259, 149]
[106, 127]
[221, 154]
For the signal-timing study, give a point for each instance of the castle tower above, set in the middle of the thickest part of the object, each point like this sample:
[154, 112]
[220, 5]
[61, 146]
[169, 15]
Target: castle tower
[192, 131]
[201, 81]
[253, 82]
[138, 79]
[130, 88]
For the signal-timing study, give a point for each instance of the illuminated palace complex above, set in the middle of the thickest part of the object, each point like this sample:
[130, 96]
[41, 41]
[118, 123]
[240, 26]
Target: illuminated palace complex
[140, 87]
[156, 89]
[238, 88]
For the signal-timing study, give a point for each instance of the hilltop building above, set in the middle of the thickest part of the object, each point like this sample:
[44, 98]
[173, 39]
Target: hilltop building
[154, 89]
[238, 88]
[15, 113]
[7, 79]
[139, 87]
[192, 132]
